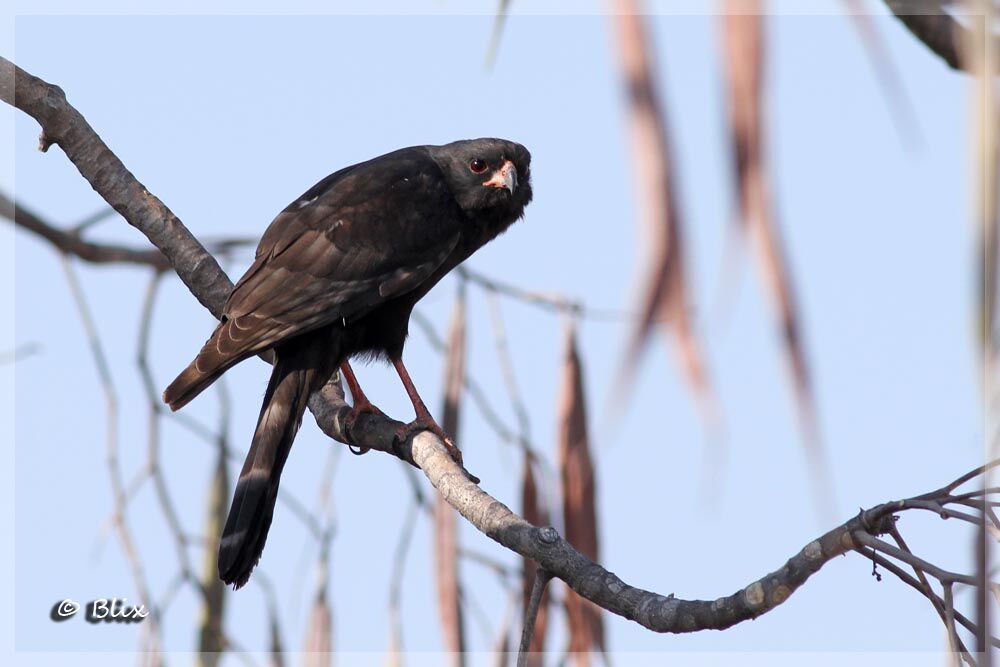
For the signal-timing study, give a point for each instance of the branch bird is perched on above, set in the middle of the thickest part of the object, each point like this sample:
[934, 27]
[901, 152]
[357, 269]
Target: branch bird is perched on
[336, 275]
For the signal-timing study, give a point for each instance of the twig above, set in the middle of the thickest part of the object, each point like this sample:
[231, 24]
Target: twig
[942, 575]
[19, 353]
[151, 627]
[100, 215]
[949, 618]
[936, 601]
[479, 396]
[498, 24]
[72, 243]
[542, 578]
[396, 579]
[507, 369]
[548, 301]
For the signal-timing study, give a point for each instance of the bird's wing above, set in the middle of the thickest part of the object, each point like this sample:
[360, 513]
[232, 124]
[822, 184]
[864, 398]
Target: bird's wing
[358, 238]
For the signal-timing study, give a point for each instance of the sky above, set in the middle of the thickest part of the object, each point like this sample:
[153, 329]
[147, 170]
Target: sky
[228, 118]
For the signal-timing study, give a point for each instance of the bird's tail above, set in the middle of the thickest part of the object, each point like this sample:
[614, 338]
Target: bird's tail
[301, 366]
[217, 355]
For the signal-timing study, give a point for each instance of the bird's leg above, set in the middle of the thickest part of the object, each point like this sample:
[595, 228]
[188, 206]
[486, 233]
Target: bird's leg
[424, 420]
[361, 403]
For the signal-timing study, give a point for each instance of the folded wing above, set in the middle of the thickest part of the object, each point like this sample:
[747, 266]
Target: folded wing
[355, 240]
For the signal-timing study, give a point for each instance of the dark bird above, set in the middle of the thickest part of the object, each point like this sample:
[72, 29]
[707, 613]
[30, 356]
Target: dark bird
[336, 275]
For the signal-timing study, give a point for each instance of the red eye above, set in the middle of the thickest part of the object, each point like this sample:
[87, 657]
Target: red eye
[477, 166]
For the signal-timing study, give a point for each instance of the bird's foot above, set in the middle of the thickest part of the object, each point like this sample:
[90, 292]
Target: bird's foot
[360, 407]
[428, 424]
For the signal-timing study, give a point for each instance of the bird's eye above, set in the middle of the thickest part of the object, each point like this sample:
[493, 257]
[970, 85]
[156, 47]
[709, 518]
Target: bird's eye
[477, 166]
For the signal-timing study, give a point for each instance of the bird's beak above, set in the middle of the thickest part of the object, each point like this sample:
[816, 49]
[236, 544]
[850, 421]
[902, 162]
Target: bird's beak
[504, 177]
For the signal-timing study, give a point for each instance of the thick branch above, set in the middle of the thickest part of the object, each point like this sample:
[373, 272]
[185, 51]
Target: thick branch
[651, 610]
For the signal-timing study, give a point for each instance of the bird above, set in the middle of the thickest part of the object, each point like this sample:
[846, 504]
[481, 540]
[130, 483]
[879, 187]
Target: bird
[336, 276]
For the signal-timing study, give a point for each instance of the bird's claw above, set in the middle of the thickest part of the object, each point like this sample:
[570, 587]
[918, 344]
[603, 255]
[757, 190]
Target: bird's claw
[361, 408]
[406, 430]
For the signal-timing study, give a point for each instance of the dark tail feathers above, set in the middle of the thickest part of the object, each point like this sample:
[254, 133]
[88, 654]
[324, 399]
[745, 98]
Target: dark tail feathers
[206, 368]
[302, 366]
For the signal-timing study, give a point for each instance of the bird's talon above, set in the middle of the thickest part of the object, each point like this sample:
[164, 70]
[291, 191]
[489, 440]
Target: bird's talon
[351, 420]
[406, 430]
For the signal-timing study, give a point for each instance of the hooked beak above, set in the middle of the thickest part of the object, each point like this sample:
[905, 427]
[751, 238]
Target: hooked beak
[504, 177]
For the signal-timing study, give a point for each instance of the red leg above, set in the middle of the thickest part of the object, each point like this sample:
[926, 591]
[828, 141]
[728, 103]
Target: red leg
[424, 421]
[361, 403]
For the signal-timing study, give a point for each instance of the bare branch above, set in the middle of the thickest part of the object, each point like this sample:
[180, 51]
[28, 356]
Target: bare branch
[542, 578]
[498, 23]
[446, 562]
[151, 629]
[396, 583]
[930, 595]
[944, 576]
[70, 243]
[550, 301]
[19, 353]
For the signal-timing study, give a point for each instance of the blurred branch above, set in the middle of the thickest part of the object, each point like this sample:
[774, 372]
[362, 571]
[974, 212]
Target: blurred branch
[476, 392]
[150, 639]
[550, 301]
[542, 578]
[275, 644]
[981, 55]
[894, 92]
[319, 637]
[445, 542]
[501, 643]
[396, 581]
[19, 353]
[507, 371]
[72, 243]
[535, 512]
[211, 633]
[503, 8]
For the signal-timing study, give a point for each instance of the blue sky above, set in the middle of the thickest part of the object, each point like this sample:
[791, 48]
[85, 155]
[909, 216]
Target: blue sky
[228, 118]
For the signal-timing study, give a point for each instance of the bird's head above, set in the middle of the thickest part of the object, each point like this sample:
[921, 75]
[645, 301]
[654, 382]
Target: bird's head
[490, 177]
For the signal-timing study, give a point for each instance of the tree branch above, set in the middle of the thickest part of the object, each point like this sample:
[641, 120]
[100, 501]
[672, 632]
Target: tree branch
[542, 578]
[71, 242]
[63, 125]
